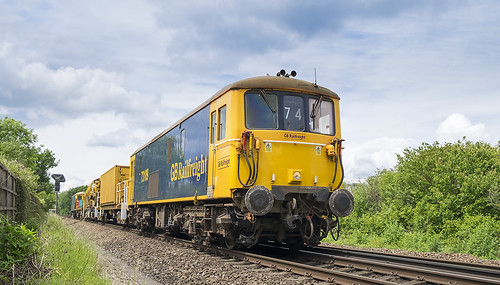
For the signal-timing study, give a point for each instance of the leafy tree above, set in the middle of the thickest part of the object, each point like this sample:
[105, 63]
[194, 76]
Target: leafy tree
[445, 182]
[19, 143]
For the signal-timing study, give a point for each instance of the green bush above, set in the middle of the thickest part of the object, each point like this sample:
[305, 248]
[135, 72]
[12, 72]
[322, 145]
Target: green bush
[478, 235]
[18, 242]
[437, 198]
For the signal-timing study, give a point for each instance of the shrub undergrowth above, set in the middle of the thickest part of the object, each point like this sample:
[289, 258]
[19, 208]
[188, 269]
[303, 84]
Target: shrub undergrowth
[18, 244]
[441, 198]
[53, 255]
[71, 259]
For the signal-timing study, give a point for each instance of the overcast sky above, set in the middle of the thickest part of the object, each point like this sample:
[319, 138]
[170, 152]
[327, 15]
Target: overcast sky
[98, 79]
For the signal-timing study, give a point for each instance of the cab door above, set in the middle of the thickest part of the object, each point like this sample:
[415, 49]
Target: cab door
[219, 147]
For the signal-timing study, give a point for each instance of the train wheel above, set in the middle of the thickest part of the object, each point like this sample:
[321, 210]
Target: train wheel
[230, 241]
[197, 239]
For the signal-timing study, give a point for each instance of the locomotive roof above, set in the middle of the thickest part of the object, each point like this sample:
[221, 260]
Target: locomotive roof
[276, 82]
[261, 82]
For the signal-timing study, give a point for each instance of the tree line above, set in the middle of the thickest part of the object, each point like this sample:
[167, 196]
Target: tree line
[438, 197]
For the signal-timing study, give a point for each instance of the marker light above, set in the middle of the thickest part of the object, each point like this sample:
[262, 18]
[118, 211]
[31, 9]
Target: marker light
[295, 176]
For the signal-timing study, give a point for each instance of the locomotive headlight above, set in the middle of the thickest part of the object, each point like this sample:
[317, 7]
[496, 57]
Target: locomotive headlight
[341, 203]
[259, 200]
[295, 176]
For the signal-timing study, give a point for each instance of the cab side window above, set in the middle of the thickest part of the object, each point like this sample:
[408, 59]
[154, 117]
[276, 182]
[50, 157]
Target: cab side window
[183, 143]
[213, 124]
[222, 123]
[169, 150]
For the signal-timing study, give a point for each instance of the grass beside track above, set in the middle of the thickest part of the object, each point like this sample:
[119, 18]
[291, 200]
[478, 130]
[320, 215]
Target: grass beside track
[71, 259]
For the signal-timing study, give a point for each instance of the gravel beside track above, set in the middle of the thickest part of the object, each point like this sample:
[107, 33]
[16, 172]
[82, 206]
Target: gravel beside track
[167, 263]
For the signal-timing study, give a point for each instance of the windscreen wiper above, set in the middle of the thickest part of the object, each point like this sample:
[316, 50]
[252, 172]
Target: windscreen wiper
[266, 99]
[316, 106]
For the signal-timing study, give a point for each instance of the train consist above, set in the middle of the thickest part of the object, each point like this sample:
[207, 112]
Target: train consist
[259, 161]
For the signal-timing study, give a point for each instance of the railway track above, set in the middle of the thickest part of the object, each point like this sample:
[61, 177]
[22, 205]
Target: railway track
[426, 269]
[346, 266]
[395, 268]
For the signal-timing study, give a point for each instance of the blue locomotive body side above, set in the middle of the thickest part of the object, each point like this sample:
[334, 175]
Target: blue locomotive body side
[176, 164]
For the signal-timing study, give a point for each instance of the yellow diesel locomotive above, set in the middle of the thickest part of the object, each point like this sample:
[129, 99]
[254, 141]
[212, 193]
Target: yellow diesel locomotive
[259, 161]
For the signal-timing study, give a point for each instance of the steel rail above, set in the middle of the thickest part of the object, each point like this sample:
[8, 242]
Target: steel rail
[329, 275]
[474, 267]
[430, 270]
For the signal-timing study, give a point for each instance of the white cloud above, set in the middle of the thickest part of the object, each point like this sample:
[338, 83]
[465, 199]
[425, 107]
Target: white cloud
[41, 95]
[86, 76]
[362, 159]
[73, 90]
[457, 126]
[5, 49]
[80, 160]
[4, 111]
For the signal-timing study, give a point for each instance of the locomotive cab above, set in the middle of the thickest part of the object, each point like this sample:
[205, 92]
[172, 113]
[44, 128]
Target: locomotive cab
[282, 162]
